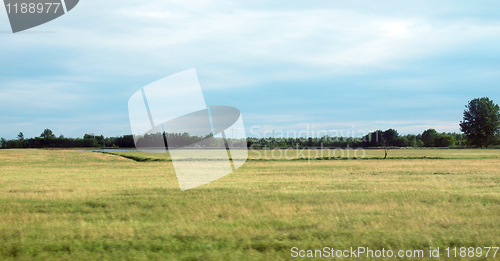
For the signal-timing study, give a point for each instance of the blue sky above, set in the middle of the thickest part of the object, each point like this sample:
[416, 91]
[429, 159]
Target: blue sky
[343, 66]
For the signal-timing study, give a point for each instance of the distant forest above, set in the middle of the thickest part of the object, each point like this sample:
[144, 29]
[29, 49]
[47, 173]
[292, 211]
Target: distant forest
[379, 138]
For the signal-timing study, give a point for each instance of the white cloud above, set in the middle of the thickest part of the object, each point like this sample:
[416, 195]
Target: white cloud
[255, 45]
[36, 95]
[235, 44]
[275, 44]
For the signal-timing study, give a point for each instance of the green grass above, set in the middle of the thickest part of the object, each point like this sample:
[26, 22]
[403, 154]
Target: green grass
[74, 205]
[332, 154]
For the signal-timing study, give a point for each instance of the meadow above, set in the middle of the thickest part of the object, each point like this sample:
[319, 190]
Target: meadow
[75, 205]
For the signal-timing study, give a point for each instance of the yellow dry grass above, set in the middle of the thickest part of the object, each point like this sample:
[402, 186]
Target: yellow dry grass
[73, 205]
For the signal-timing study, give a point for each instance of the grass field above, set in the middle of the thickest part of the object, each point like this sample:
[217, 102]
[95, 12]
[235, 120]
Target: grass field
[74, 205]
[336, 154]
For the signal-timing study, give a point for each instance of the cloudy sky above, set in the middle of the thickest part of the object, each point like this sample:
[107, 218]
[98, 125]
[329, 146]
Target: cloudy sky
[341, 66]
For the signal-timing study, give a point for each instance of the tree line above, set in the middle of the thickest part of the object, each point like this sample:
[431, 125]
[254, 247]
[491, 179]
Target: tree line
[47, 139]
[379, 138]
[480, 127]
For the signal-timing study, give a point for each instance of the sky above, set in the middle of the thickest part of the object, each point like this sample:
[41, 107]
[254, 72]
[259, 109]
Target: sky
[344, 67]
